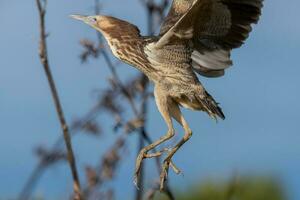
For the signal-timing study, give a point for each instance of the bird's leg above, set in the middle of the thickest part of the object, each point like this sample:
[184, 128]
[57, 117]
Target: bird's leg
[162, 102]
[176, 113]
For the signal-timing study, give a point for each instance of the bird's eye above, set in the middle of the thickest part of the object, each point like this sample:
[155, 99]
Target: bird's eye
[92, 20]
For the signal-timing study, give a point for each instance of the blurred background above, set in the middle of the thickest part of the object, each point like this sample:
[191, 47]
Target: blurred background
[253, 154]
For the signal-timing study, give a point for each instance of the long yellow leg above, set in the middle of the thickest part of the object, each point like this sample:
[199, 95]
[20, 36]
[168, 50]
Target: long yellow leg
[163, 102]
[176, 114]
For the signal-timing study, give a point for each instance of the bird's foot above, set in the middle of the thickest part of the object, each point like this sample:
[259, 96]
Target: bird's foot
[142, 155]
[164, 173]
[175, 168]
[165, 170]
[138, 165]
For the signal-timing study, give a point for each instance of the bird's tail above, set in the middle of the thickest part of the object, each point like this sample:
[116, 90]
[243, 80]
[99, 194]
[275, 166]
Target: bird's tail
[211, 106]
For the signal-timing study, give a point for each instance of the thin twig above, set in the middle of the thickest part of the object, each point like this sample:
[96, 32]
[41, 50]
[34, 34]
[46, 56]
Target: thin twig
[44, 60]
[30, 183]
[38, 171]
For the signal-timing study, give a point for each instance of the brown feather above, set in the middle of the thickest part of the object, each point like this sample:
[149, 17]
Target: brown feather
[223, 24]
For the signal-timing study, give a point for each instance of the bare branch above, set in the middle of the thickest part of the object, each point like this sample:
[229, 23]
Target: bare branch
[44, 60]
[42, 166]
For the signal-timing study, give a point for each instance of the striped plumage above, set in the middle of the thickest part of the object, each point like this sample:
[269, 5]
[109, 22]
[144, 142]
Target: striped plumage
[197, 36]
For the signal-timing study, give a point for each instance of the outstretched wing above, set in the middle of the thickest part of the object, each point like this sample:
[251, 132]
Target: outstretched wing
[213, 26]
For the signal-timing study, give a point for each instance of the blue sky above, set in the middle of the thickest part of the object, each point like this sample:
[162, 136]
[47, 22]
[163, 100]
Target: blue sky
[259, 97]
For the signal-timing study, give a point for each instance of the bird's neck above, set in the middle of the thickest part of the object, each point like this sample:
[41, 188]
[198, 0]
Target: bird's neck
[130, 50]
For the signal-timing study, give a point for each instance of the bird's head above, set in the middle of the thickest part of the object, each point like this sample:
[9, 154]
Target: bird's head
[110, 27]
[118, 33]
[98, 22]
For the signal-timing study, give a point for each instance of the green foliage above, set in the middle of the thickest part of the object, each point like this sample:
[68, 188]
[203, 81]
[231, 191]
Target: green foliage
[237, 189]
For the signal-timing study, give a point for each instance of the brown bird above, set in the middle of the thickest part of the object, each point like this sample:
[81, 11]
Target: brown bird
[197, 36]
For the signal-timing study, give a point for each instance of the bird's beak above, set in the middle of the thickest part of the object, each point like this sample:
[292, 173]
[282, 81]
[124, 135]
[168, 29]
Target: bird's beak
[80, 17]
[90, 20]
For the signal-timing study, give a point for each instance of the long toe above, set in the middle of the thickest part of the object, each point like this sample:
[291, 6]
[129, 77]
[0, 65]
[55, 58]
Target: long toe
[175, 168]
[138, 165]
[164, 173]
[163, 177]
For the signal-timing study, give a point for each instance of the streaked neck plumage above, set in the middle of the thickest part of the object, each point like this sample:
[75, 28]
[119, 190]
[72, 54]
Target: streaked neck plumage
[125, 42]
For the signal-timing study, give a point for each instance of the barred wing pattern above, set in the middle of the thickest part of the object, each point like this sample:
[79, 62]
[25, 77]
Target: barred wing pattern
[214, 28]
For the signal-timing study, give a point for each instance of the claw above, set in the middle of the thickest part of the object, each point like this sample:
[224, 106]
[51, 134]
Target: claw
[135, 182]
[175, 168]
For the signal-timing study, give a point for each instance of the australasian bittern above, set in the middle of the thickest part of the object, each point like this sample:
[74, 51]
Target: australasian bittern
[196, 36]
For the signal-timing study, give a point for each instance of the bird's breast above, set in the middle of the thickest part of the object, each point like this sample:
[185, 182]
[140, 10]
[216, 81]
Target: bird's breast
[172, 63]
[177, 54]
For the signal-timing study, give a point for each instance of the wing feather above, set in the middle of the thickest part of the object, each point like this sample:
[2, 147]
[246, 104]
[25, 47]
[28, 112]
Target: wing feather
[214, 27]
